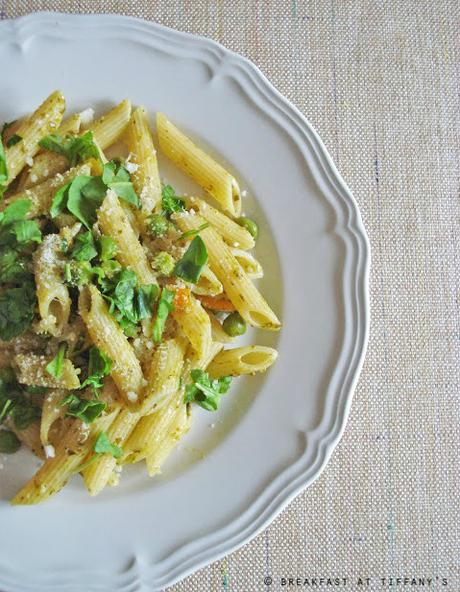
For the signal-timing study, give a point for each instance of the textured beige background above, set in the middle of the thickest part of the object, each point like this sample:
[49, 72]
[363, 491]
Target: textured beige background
[380, 81]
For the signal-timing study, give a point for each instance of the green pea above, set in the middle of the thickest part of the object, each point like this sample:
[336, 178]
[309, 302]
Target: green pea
[9, 442]
[250, 226]
[234, 325]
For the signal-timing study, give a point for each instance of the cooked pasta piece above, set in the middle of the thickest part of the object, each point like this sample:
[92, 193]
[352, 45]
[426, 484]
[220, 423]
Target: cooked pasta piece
[143, 161]
[42, 195]
[114, 222]
[244, 295]
[52, 294]
[69, 455]
[178, 427]
[208, 284]
[106, 333]
[196, 326]
[52, 410]
[31, 369]
[251, 266]
[98, 474]
[203, 169]
[242, 360]
[232, 233]
[48, 164]
[46, 119]
[111, 126]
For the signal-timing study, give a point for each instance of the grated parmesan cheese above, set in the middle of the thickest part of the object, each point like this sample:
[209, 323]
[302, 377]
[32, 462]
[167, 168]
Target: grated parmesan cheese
[29, 161]
[132, 396]
[87, 116]
[49, 451]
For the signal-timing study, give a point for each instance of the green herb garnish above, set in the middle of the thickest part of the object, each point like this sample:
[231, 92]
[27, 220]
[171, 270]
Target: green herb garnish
[56, 365]
[190, 266]
[83, 409]
[75, 148]
[84, 248]
[194, 231]
[170, 202]
[98, 368]
[205, 391]
[165, 306]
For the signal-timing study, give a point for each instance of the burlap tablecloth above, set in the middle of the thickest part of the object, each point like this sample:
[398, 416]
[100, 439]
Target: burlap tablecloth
[380, 82]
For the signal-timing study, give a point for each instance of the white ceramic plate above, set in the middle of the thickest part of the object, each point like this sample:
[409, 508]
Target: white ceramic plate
[274, 434]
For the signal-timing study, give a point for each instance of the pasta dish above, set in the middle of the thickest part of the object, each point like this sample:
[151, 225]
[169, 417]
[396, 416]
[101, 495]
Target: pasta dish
[119, 299]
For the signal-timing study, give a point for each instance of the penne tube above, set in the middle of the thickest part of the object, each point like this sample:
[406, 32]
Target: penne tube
[178, 427]
[115, 223]
[145, 176]
[196, 326]
[111, 126]
[48, 164]
[31, 369]
[164, 374]
[42, 195]
[52, 410]
[52, 294]
[232, 233]
[240, 290]
[250, 265]
[98, 474]
[106, 333]
[242, 360]
[45, 120]
[203, 169]
[54, 474]
[208, 284]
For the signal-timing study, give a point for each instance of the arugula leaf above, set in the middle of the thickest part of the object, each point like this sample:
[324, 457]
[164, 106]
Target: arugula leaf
[165, 306]
[190, 266]
[108, 248]
[145, 297]
[60, 198]
[204, 391]
[15, 139]
[56, 365]
[14, 403]
[104, 446]
[117, 178]
[15, 211]
[27, 231]
[170, 202]
[83, 204]
[78, 273]
[84, 409]
[12, 267]
[99, 366]
[16, 310]
[74, 148]
[9, 442]
[84, 248]
[194, 231]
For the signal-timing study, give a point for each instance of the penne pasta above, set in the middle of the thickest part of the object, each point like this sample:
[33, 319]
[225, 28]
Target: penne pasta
[196, 326]
[208, 284]
[250, 265]
[244, 295]
[52, 294]
[242, 360]
[232, 233]
[203, 169]
[69, 455]
[115, 223]
[31, 369]
[107, 335]
[111, 126]
[145, 175]
[41, 196]
[126, 333]
[45, 120]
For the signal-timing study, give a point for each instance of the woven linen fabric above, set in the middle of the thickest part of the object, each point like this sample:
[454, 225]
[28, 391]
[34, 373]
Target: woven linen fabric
[380, 82]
